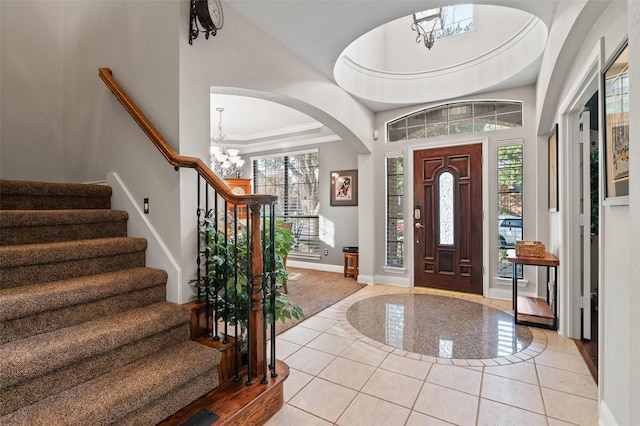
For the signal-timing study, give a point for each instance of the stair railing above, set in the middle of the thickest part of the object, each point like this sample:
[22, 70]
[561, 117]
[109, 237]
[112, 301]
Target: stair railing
[226, 276]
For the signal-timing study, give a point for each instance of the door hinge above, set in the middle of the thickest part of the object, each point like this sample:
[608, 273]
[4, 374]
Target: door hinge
[581, 302]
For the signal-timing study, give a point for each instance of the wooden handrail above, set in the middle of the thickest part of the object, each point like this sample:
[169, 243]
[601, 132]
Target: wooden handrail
[171, 155]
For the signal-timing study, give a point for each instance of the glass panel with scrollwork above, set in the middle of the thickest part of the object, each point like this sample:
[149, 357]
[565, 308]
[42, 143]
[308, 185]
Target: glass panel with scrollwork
[445, 183]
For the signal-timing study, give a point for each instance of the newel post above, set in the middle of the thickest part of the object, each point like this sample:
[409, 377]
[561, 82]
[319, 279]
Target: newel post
[256, 337]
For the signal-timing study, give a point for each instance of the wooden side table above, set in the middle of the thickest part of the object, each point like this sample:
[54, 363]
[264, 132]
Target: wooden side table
[351, 265]
[535, 311]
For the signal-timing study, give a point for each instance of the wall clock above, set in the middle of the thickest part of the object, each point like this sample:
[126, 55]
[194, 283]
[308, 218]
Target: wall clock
[209, 14]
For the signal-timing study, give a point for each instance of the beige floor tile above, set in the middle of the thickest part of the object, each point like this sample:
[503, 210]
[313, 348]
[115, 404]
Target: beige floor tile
[447, 404]
[337, 330]
[324, 399]
[361, 352]
[419, 419]
[562, 361]
[512, 392]
[329, 343]
[347, 373]
[454, 377]
[366, 410]
[292, 416]
[318, 323]
[492, 413]
[557, 343]
[556, 422]
[407, 366]
[393, 387]
[299, 335]
[283, 348]
[570, 408]
[567, 381]
[309, 360]
[297, 380]
[330, 313]
[522, 371]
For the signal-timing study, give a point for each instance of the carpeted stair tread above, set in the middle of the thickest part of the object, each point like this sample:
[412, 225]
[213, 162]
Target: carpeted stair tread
[33, 390]
[34, 254]
[36, 298]
[19, 218]
[37, 355]
[45, 226]
[36, 263]
[26, 195]
[121, 392]
[48, 321]
[165, 406]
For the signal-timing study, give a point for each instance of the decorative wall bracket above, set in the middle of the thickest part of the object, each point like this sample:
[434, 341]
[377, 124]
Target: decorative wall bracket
[194, 28]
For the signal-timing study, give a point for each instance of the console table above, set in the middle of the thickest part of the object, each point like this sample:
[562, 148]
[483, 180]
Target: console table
[535, 311]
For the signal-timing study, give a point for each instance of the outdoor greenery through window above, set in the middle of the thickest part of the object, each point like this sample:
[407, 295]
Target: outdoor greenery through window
[395, 212]
[294, 179]
[456, 118]
[509, 205]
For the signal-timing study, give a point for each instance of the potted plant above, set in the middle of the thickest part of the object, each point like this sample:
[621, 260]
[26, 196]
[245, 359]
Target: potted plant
[228, 271]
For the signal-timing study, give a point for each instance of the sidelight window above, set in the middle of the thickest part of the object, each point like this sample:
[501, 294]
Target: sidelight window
[395, 211]
[510, 178]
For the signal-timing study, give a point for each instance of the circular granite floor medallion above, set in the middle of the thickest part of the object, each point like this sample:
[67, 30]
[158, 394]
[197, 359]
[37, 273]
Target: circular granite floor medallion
[439, 326]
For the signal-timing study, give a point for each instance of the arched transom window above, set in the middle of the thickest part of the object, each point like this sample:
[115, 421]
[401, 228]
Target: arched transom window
[456, 118]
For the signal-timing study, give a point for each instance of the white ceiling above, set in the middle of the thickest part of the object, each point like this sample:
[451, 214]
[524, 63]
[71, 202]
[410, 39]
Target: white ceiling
[319, 31]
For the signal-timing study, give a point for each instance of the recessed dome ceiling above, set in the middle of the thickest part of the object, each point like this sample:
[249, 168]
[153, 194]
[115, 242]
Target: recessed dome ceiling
[387, 66]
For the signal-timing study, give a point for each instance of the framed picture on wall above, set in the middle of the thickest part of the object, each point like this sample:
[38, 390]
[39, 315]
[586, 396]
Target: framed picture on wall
[344, 188]
[616, 119]
[553, 169]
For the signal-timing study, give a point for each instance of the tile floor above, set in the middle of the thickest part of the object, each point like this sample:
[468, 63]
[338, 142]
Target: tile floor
[340, 377]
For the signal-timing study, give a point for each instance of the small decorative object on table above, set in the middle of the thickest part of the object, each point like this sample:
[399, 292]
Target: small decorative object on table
[529, 249]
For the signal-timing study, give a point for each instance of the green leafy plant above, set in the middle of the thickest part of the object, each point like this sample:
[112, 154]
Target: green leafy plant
[228, 271]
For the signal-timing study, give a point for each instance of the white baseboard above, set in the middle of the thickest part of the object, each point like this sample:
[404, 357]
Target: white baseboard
[316, 266]
[157, 255]
[392, 280]
[606, 417]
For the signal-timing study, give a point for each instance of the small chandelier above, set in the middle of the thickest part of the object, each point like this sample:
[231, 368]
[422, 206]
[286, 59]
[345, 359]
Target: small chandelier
[421, 20]
[224, 162]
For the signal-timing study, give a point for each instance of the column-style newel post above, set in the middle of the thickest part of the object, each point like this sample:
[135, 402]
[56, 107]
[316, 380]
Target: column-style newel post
[257, 319]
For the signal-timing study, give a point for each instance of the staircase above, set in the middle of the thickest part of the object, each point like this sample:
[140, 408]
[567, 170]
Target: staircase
[86, 336]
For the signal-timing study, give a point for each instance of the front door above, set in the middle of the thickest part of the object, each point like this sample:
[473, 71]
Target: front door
[448, 218]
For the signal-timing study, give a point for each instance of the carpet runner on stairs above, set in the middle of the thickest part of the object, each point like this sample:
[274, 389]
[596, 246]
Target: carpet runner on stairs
[86, 336]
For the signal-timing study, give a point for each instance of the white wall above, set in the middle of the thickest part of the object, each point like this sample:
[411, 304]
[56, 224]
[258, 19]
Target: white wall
[241, 59]
[61, 123]
[31, 135]
[634, 215]
[566, 57]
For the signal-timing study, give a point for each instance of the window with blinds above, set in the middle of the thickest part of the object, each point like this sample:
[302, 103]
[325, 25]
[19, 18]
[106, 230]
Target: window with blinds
[293, 178]
[510, 177]
[395, 212]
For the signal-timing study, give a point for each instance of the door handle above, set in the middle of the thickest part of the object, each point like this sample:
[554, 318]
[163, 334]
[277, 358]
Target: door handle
[419, 225]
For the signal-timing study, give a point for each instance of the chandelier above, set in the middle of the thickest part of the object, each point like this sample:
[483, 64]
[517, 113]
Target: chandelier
[224, 162]
[423, 20]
